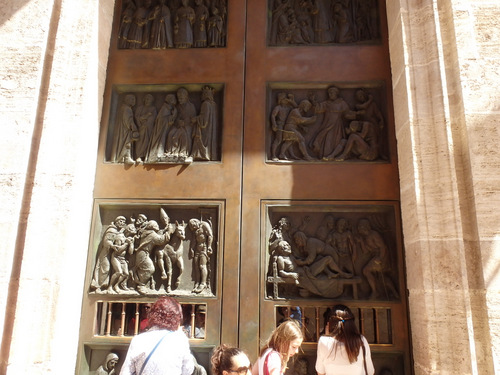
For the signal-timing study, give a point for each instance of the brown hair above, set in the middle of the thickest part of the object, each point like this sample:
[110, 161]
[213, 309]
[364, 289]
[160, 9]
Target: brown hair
[343, 328]
[281, 338]
[222, 358]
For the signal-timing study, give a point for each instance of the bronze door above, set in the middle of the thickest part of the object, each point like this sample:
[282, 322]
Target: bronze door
[254, 175]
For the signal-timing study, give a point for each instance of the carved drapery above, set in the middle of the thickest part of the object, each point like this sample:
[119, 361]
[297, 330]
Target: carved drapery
[171, 125]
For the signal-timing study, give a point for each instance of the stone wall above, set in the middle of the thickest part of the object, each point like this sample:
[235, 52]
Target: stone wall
[443, 54]
[52, 75]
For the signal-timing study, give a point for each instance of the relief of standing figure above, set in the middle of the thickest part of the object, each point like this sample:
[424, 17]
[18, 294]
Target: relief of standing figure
[205, 126]
[183, 28]
[145, 116]
[200, 252]
[200, 24]
[125, 132]
[163, 122]
[161, 29]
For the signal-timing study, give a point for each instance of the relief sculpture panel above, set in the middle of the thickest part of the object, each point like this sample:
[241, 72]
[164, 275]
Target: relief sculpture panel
[323, 22]
[156, 250]
[165, 24]
[333, 123]
[346, 252]
[165, 125]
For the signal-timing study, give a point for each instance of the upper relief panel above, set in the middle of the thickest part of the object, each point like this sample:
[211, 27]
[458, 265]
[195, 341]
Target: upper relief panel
[323, 22]
[162, 24]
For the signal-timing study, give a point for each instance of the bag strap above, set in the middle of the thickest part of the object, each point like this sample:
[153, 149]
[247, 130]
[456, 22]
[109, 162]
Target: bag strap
[265, 369]
[364, 356]
[149, 356]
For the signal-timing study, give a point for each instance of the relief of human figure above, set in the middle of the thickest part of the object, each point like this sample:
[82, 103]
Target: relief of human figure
[291, 133]
[108, 367]
[126, 23]
[304, 11]
[102, 268]
[183, 26]
[179, 137]
[173, 255]
[151, 238]
[279, 21]
[123, 245]
[371, 242]
[200, 253]
[331, 136]
[342, 24]
[200, 24]
[215, 31]
[205, 126]
[145, 116]
[287, 268]
[342, 241]
[164, 121]
[161, 28]
[125, 132]
[318, 257]
[279, 115]
[362, 142]
[138, 36]
[322, 22]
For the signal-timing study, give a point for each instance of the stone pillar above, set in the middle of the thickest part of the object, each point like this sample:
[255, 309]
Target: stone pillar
[447, 131]
[54, 57]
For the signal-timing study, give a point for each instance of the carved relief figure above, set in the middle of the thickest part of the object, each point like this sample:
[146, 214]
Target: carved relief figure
[200, 24]
[204, 141]
[125, 132]
[179, 137]
[200, 252]
[121, 246]
[164, 120]
[342, 24]
[145, 116]
[183, 28]
[100, 280]
[372, 242]
[362, 142]
[278, 118]
[161, 28]
[138, 36]
[322, 22]
[108, 367]
[126, 23]
[279, 19]
[304, 12]
[291, 134]
[342, 241]
[151, 238]
[215, 29]
[331, 137]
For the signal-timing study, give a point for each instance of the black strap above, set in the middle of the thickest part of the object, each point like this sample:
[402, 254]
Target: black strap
[149, 356]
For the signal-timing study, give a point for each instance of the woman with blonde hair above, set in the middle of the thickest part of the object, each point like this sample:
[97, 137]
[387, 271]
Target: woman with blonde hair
[283, 343]
[343, 350]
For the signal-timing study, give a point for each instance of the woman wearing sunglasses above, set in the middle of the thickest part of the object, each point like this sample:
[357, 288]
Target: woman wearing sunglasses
[228, 360]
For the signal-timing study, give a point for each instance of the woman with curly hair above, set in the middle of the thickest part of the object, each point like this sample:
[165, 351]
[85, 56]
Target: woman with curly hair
[229, 360]
[283, 343]
[163, 348]
[343, 350]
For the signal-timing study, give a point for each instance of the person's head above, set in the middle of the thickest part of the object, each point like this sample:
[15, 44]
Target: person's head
[227, 360]
[361, 96]
[341, 225]
[284, 248]
[342, 326]
[282, 98]
[148, 99]
[364, 227]
[194, 224]
[182, 94]
[152, 225]
[166, 313]
[284, 223]
[300, 238]
[141, 219]
[333, 92]
[170, 99]
[111, 361]
[305, 105]
[130, 100]
[286, 340]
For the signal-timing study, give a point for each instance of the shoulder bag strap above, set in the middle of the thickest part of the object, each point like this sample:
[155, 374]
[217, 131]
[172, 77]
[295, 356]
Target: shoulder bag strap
[149, 356]
[264, 368]
[364, 355]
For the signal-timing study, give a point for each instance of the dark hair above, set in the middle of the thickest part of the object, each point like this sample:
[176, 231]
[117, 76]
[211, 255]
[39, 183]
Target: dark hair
[281, 338]
[222, 358]
[343, 328]
[166, 313]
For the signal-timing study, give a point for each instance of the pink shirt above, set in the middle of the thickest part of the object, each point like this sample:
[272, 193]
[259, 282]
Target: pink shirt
[273, 362]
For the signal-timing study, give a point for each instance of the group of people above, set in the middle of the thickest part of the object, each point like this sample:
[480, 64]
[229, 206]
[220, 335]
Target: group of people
[161, 24]
[344, 132]
[299, 22]
[164, 348]
[175, 133]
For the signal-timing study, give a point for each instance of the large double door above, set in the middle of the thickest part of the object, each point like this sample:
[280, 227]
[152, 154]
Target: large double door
[291, 160]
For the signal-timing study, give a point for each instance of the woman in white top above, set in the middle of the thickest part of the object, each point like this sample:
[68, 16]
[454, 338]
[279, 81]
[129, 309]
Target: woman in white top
[163, 348]
[283, 343]
[343, 351]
